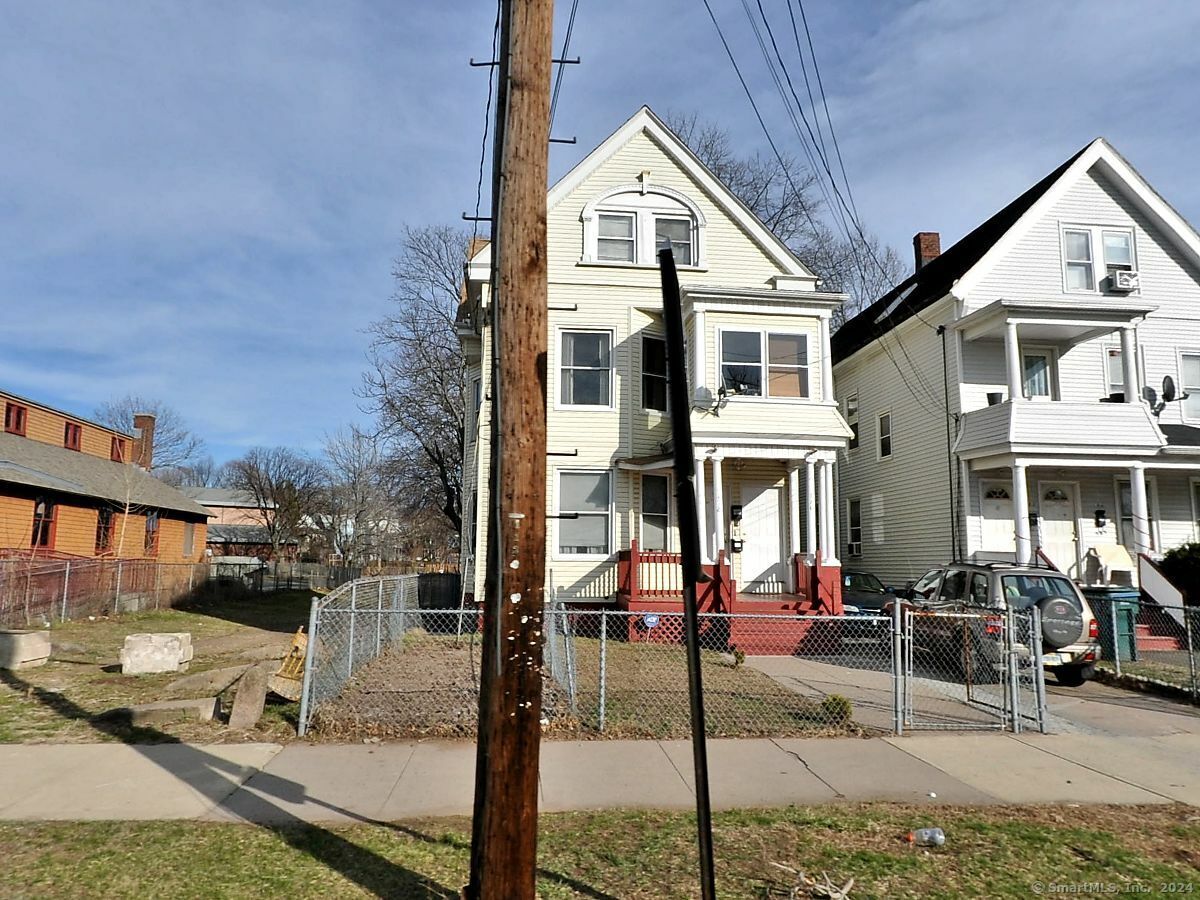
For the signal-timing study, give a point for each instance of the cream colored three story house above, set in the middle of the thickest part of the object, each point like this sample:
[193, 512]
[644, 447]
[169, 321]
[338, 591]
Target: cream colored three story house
[766, 426]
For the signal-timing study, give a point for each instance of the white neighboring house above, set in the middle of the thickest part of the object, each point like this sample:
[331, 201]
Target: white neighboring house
[765, 423]
[1036, 422]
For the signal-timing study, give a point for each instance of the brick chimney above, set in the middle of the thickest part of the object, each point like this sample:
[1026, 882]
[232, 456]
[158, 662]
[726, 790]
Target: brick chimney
[143, 439]
[927, 246]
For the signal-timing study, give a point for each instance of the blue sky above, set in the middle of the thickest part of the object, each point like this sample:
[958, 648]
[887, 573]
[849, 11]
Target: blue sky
[201, 202]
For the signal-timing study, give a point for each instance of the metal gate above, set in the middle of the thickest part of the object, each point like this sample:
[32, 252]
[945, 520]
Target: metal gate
[972, 670]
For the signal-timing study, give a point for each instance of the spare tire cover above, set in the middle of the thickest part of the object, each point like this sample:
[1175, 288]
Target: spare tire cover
[1062, 623]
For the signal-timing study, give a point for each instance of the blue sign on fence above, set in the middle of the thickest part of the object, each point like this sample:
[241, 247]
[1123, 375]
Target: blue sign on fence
[650, 621]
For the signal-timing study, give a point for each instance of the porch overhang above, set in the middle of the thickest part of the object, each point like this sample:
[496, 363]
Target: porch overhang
[646, 463]
[1054, 321]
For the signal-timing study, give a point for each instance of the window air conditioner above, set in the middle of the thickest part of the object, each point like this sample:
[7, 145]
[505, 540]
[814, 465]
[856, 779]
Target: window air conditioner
[1123, 281]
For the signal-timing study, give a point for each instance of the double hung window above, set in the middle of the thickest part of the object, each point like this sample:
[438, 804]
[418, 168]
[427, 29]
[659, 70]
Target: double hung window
[770, 364]
[586, 369]
[656, 511]
[654, 373]
[585, 513]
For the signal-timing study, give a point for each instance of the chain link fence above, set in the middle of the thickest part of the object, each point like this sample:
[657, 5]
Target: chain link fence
[381, 665]
[1148, 640]
[35, 593]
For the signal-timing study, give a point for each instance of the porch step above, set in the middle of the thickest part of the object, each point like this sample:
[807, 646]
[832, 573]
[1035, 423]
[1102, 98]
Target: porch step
[1147, 639]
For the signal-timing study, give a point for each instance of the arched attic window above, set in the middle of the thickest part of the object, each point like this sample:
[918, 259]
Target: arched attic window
[624, 226]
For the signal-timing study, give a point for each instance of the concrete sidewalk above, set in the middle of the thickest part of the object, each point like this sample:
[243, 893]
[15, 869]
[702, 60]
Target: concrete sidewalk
[357, 782]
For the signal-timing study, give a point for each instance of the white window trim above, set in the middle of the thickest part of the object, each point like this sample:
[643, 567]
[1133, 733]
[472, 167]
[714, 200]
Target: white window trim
[612, 543]
[850, 527]
[1194, 486]
[670, 548]
[1151, 505]
[645, 253]
[558, 368]
[1099, 264]
[1180, 353]
[809, 343]
[641, 374]
[1105, 349]
[855, 420]
[879, 435]
[1051, 353]
[626, 213]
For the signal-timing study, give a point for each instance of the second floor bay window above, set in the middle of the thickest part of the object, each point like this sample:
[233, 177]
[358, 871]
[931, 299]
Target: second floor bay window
[765, 364]
[585, 372]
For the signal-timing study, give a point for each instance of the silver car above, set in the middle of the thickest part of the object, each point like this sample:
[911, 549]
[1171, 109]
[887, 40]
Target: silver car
[1070, 636]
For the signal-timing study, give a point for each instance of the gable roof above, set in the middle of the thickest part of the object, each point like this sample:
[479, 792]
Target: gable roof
[644, 120]
[934, 280]
[962, 266]
[234, 497]
[45, 466]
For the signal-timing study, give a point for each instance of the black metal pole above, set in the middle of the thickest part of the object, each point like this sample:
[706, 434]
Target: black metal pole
[689, 545]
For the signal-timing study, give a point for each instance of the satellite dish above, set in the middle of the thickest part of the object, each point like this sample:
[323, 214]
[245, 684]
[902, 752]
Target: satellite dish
[1168, 391]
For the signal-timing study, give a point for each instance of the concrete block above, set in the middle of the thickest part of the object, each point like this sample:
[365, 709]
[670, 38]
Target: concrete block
[211, 682]
[151, 654]
[185, 645]
[204, 709]
[24, 649]
[250, 699]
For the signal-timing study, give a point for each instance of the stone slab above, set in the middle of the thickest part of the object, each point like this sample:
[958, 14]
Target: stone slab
[122, 781]
[861, 770]
[594, 774]
[202, 709]
[751, 773]
[322, 783]
[1010, 769]
[214, 681]
[23, 649]
[151, 654]
[249, 700]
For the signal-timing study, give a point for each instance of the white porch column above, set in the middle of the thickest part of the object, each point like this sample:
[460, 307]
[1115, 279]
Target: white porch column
[718, 506]
[1133, 390]
[828, 515]
[810, 503]
[1141, 511]
[1021, 515]
[701, 515]
[826, 362]
[698, 344]
[793, 508]
[1012, 353]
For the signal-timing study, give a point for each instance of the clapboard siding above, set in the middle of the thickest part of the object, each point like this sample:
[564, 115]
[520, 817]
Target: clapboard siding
[905, 499]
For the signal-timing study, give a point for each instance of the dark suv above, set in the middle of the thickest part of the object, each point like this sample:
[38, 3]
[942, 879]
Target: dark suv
[1070, 645]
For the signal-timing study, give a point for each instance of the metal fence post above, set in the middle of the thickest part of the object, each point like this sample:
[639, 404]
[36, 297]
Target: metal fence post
[66, 582]
[350, 643]
[117, 598]
[1116, 642]
[603, 660]
[1039, 665]
[379, 620]
[897, 672]
[1189, 616]
[306, 688]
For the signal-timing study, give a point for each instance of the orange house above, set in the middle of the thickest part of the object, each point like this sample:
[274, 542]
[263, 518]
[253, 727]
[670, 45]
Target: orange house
[73, 488]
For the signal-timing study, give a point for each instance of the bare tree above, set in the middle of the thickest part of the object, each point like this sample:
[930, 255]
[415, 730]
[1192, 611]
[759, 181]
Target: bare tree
[204, 472]
[415, 384]
[781, 193]
[286, 487]
[354, 508]
[175, 444]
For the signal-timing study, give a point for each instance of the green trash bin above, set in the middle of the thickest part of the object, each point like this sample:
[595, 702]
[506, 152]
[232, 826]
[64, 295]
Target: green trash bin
[1116, 606]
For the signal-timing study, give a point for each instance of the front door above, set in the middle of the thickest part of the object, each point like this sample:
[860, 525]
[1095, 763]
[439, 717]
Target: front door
[1060, 536]
[999, 535]
[763, 569]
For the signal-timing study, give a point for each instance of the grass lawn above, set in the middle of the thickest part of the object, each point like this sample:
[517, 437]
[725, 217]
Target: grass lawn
[60, 700]
[990, 852]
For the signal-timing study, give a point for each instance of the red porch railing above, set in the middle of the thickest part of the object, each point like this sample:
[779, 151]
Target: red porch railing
[657, 577]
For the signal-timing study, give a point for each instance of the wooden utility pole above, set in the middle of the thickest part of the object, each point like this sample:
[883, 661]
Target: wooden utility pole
[504, 833]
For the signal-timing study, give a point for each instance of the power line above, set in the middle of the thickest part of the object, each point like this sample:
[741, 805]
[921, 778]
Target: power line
[487, 124]
[779, 156]
[558, 77]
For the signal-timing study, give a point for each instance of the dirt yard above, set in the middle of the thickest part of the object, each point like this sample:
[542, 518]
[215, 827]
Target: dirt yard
[66, 699]
[427, 686]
